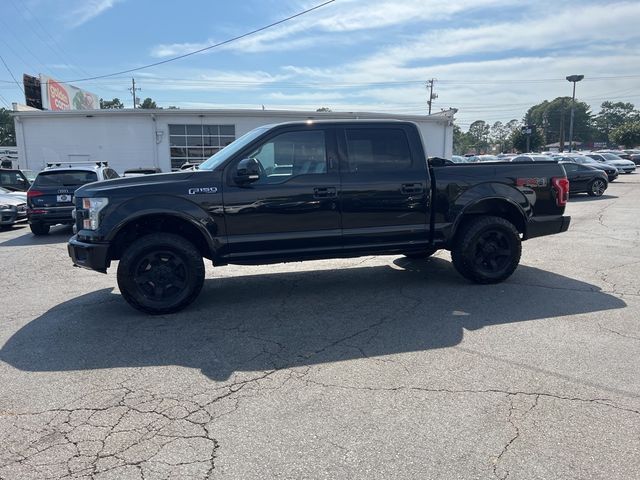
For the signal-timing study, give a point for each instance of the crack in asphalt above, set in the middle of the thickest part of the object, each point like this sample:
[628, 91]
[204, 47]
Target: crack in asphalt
[618, 333]
[599, 401]
[116, 428]
[516, 435]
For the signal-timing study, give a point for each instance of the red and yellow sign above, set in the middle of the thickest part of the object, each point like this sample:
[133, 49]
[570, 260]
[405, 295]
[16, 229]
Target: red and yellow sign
[62, 96]
[58, 98]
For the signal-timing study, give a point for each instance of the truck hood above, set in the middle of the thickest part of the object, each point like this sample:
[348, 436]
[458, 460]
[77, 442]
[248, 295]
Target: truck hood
[155, 183]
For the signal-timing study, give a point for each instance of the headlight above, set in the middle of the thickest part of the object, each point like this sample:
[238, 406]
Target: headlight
[5, 207]
[93, 206]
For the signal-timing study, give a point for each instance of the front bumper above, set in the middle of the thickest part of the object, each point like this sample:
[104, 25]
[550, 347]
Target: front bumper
[547, 225]
[93, 256]
[11, 216]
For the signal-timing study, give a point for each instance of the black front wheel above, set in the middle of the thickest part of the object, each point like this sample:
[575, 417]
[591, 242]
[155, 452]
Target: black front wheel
[160, 273]
[597, 187]
[487, 250]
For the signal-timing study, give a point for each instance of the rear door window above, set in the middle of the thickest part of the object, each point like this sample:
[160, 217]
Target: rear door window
[66, 178]
[377, 150]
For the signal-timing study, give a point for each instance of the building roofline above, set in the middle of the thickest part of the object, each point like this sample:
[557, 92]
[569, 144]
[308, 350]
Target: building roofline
[438, 117]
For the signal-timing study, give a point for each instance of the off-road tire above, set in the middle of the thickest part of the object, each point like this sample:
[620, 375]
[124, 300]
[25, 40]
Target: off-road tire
[39, 229]
[164, 263]
[472, 251]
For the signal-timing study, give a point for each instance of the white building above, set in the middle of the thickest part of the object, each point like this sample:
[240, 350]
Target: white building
[167, 138]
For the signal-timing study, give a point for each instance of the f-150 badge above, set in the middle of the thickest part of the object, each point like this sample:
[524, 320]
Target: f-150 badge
[195, 191]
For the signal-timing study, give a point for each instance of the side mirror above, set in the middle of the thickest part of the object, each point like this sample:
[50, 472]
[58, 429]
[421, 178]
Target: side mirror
[247, 171]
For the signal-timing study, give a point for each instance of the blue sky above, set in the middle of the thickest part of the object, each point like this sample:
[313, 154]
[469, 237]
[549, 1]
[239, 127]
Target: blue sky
[491, 58]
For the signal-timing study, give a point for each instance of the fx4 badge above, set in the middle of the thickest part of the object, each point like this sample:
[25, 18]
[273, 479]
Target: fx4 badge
[531, 182]
[195, 191]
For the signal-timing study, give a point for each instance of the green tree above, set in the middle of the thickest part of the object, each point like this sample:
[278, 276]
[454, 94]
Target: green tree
[553, 119]
[611, 116]
[519, 140]
[148, 103]
[627, 134]
[7, 128]
[108, 104]
[499, 135]
[479, 135]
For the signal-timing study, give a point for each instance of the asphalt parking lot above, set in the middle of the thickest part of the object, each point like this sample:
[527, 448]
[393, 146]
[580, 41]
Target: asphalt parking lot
[368, 368]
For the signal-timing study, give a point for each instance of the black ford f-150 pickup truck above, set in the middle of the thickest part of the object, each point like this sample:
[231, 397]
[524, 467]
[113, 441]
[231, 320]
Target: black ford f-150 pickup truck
[310, 190]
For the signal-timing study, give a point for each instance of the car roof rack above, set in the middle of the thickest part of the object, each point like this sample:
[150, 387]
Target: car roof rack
[62, 164]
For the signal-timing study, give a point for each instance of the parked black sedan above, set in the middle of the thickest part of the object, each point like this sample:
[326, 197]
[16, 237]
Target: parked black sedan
[585, 179]
[611, 171]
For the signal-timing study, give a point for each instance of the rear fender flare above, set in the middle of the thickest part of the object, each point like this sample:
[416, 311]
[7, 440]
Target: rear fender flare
[483, 199]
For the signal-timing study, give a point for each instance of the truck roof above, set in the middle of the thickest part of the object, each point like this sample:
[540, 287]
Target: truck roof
[342, 121]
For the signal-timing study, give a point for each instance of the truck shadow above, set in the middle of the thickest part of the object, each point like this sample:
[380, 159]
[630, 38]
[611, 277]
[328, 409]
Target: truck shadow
[282, 320]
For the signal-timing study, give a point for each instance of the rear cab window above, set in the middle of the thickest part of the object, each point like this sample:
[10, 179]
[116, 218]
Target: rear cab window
[377, 150]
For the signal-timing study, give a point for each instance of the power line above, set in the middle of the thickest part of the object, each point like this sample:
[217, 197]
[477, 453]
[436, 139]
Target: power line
[219, 44]
[59, 52]
[11, 73]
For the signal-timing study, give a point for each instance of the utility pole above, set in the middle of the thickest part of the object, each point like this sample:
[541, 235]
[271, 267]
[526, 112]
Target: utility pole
[432, 96]
[561, 137]
[133, 90]
[573, 79]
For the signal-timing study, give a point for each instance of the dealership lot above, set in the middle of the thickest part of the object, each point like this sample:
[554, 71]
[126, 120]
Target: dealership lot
[376, 367]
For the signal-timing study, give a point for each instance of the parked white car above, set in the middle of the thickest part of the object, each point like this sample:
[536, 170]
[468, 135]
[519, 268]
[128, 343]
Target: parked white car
[623, 166]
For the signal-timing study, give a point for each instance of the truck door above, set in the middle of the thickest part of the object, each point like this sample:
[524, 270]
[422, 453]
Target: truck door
[384, 187]
[293, 207]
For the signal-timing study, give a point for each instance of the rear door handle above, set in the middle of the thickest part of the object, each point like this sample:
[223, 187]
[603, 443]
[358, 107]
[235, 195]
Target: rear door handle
[411, 188]
[325, 192]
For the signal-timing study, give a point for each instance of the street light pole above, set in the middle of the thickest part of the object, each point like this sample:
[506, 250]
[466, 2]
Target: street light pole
[574, 79]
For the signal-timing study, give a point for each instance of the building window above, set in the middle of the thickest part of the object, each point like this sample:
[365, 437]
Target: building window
[196, 143]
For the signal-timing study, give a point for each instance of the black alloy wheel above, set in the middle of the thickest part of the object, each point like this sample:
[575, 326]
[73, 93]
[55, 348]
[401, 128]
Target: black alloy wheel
[487, 249]
[492, 251]
[597, 187]
[161, 273]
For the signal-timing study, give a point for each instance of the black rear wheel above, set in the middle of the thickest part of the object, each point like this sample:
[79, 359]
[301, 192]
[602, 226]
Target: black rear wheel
[487, 250]
[39, 229]
[161, 273]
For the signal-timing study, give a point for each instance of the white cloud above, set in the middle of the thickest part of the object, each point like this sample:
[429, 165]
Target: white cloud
[87, 10]
[211, 80]
[572, 27]
[344, 17]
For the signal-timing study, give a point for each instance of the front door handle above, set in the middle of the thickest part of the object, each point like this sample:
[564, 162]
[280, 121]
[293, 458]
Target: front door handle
[411, 188]
[325, 192]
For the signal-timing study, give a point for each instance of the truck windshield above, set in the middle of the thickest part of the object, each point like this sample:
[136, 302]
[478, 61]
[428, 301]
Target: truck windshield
[234, 147]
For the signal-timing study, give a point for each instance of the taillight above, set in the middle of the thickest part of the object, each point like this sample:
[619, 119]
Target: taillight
[561, 187]
[34, 193]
